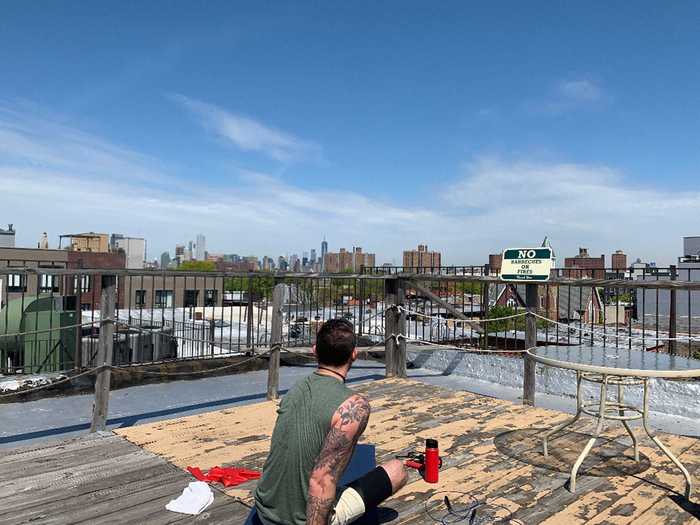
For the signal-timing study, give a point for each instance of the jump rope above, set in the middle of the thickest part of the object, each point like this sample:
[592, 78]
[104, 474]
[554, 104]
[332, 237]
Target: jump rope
[473, 512]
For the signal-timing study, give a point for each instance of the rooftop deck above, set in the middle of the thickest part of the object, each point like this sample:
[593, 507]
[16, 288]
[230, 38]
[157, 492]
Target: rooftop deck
[491, 450]
[98, 479]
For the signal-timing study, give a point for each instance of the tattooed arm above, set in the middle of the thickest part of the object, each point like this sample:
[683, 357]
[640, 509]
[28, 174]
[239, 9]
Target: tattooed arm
[347, 425]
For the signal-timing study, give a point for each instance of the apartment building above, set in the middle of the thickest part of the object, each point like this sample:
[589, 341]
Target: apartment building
[134, 249]
[86, 288]
[86, 242]
[584, 266]
[345, 261]
[172, 291]
[421, 259]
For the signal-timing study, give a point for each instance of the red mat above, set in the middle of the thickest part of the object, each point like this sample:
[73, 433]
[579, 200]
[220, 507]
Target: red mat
[227, 476]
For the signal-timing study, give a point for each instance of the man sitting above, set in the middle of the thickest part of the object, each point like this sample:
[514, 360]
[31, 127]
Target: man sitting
[318, 424]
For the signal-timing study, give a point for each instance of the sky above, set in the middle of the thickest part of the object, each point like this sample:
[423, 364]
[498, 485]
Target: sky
[468, 126]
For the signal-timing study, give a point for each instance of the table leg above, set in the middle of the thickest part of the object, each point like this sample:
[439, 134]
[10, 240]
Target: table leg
[559, 428]
[621, 400]
[662, 447]
[599, 428]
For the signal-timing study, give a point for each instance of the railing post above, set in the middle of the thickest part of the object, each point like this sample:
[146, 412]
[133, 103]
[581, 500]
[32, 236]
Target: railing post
[672, 315]
[361, 313]
[531, 300]
[391, 323]
[249, 343]
[485, 307]
[78, 359]
[400, 349]
[273, 370]
[104, 353]
[212, 331]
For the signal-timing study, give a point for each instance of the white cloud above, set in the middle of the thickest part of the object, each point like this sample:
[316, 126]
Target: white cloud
[581, 90]
[30, 138]
[510, 203]
[57, 179]
[251, 135]
[569, 95]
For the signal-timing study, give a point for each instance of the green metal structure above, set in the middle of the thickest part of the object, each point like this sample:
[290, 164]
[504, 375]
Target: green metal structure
[46, 346]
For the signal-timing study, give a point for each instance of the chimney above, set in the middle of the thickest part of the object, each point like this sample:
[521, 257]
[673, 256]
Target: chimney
[583, 252]
[9, 227]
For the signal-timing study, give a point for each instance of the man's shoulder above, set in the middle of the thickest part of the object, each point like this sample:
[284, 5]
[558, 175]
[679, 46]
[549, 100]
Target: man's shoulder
[355, 408]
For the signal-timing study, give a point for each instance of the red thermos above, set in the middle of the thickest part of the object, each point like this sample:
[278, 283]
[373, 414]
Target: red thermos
[432, 461]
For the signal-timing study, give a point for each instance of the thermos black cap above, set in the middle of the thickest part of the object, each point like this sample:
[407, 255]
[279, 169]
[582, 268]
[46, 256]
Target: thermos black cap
[431, 443]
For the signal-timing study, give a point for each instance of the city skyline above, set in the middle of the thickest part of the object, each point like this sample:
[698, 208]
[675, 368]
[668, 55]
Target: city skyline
[190, 251]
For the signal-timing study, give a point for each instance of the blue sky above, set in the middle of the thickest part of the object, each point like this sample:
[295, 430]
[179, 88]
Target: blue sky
[382, 124]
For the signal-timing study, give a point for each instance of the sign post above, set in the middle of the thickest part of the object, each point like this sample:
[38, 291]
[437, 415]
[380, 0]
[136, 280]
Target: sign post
[526, 264]
[531, 266]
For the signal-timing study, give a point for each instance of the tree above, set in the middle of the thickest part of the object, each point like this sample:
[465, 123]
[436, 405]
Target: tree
[473, 288]
[503, 325]
[197, 266]
[622, 297]
[259, 285]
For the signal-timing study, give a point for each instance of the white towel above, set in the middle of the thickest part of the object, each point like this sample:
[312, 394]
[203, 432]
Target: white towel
[196, 497]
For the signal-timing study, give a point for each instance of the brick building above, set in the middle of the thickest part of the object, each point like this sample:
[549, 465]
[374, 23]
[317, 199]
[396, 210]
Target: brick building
[345, 261]
[560, 303]
[86, 287]
[584, 266]
[619, 261]
[172, 291]
[239, 266]
[421, 259]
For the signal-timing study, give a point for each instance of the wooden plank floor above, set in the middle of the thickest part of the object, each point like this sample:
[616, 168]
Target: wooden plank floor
[491, 449]
[98, 479]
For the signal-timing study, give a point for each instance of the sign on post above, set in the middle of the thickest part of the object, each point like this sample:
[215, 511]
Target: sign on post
[526, 264]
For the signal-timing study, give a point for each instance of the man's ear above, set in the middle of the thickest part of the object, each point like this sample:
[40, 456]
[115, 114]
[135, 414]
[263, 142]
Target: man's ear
[354, 355]
[313, 350]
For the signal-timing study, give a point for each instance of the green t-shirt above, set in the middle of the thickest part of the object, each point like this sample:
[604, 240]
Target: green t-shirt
[303, 421]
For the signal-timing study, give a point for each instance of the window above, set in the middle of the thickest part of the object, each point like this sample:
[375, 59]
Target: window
[85, 307]
[210, 298]
[81, 283]
[140, 298]
[48, 283]
[16, 282]
[191, 298]
[164, 299]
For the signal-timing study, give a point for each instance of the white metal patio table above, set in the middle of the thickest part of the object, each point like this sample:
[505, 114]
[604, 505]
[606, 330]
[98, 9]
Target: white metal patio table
[620, 368]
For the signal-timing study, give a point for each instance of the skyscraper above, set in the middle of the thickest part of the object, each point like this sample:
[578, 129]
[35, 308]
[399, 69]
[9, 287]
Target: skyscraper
[324, 251]
[201, 247]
